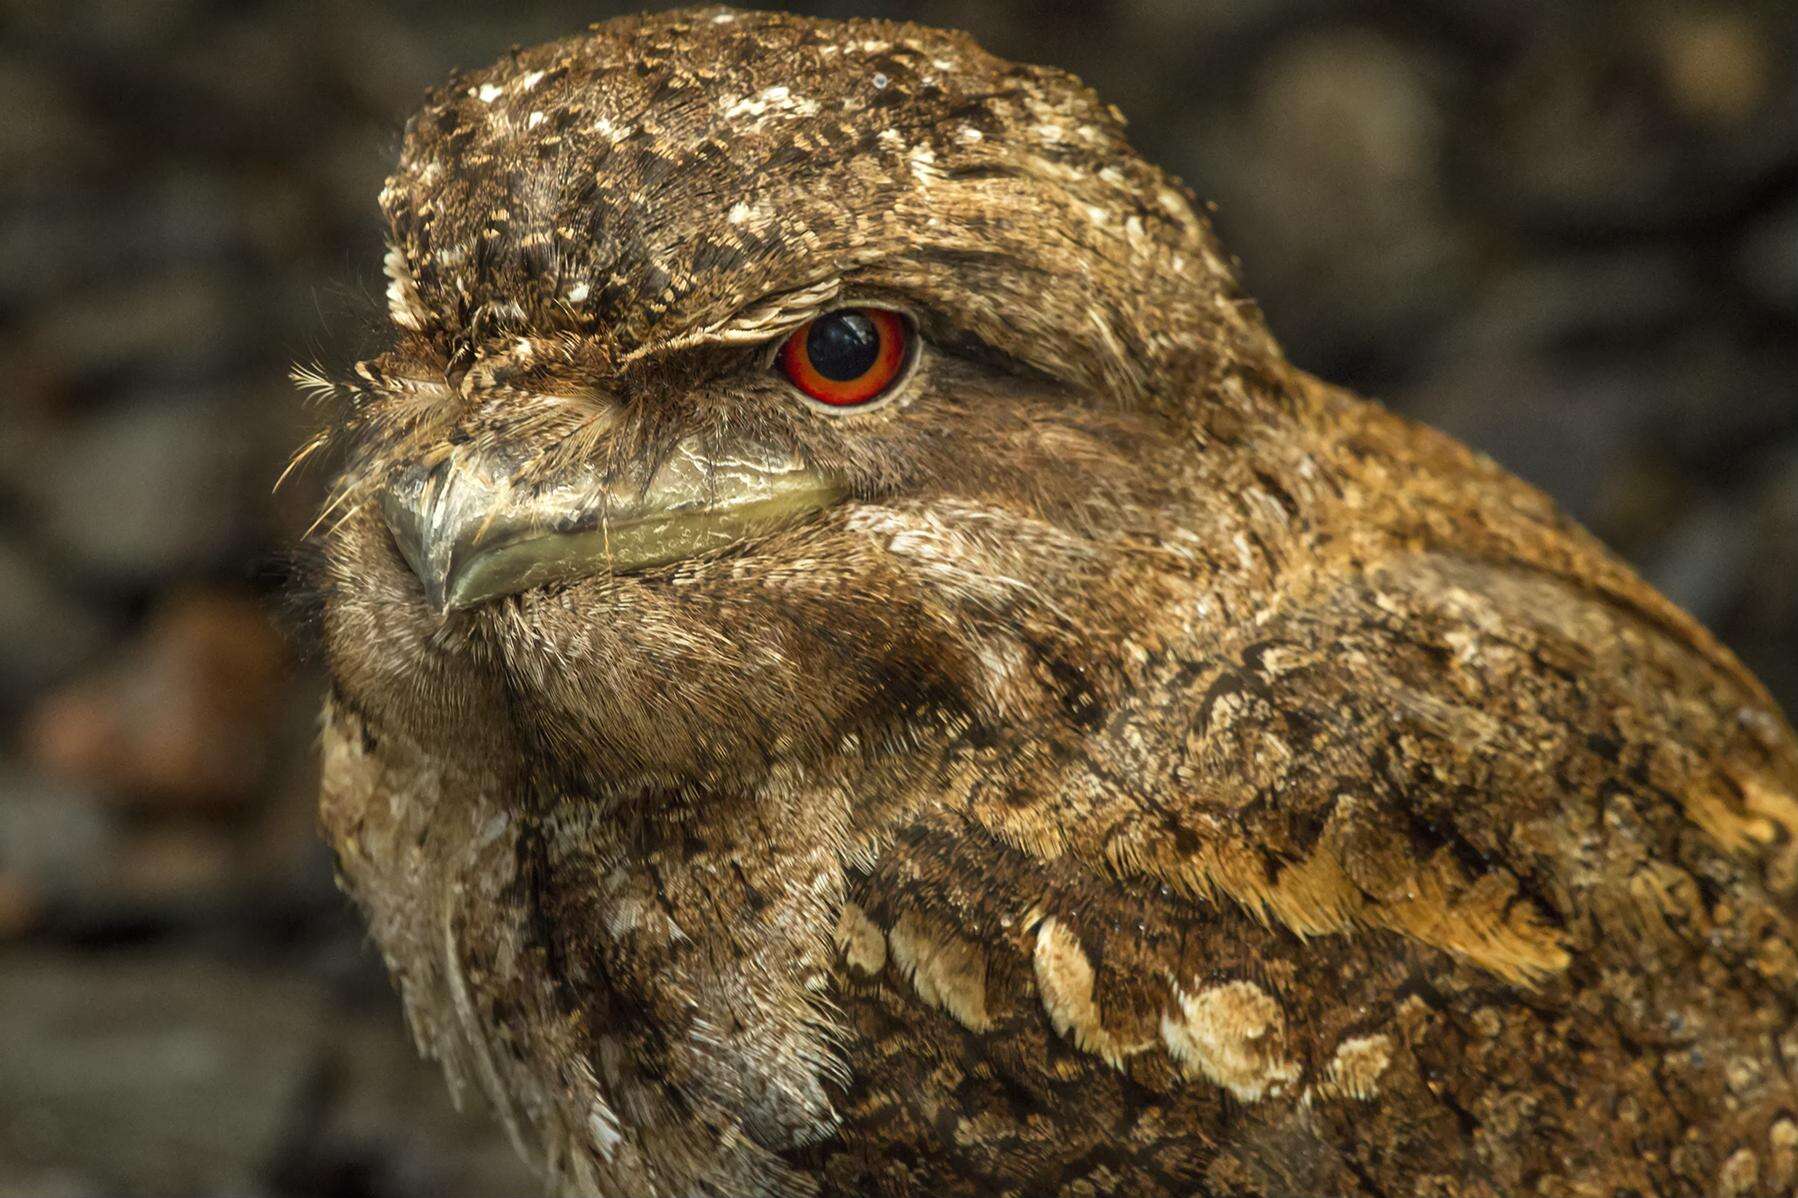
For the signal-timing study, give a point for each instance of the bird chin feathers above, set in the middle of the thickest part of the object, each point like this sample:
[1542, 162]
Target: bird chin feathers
[858, 633]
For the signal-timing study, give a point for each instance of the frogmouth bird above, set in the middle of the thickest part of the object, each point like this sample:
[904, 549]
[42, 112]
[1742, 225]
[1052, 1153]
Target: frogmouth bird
[859, 668]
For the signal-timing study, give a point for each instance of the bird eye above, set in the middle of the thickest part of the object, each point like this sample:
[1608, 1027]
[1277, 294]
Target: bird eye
[847, 358]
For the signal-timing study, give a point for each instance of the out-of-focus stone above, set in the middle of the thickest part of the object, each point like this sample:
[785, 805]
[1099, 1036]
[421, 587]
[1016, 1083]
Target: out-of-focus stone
[1769, 260]
[104, 26]
[160, 1073]
[20, 905]
[135, 494]
[186, 717]
[1567, 430]
[156, 325]
[1573, 301]
[44, 631]
[386, 1120]
[1771, 606]
[1716, 64]
[56, 848]
[1557, 152]
[375, 53]
[1639, 501]
[1704, 390]
[177, 871]
[175, 231]
[139, 1074]
[45, 135]
[1664, 113]
[251, 72]
[1702, 562]
[1721, 398]
[1762, 621]
[51, 1181]
[1329, 183]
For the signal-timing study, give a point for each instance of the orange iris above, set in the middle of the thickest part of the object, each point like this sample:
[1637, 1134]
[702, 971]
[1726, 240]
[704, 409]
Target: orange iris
[848, 357]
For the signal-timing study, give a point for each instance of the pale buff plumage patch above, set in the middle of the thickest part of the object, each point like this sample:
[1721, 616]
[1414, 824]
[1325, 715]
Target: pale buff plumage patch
[403, 305]
[1432, 900]
[1231, 1034]
[948, 970]
[1740, 1174]
[1739, 807]
[860, 940]
[1728, 816]
[1064, 977]
[1356, 1068]
[1782, 1160]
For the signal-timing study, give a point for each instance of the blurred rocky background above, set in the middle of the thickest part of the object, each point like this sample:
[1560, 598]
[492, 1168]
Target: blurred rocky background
[1565, 230]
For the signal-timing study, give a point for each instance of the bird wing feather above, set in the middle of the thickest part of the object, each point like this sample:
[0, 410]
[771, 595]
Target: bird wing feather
[1421, 845]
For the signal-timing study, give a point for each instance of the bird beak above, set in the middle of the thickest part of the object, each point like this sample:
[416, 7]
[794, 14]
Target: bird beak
[470, 535]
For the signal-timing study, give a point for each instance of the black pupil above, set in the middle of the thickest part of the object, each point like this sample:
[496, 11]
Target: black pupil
[843, 346]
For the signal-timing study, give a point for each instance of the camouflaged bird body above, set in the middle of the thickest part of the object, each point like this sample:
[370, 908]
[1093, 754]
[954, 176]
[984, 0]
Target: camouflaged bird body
[1165, 775]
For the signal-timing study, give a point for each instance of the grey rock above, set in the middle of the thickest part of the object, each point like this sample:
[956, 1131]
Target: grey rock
[169, 1073]
[1662, 114]
[1569, 431]
[1768, 260]
[1720, 396]
[103, 26]
[56, 840]
[1571, 300]
[1702, 561]
[1328, 182]
[1704, 387]
[174, 323]
[1770, 604]
[142, 1075]
[45, 137]
[140, 492]
[87, 244]
[45, 632]
[386, 1116]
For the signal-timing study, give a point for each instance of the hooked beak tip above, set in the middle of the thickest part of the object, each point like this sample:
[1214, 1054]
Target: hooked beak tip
[433, 575]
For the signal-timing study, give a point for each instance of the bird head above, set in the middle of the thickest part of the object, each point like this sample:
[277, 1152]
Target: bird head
[766, 391]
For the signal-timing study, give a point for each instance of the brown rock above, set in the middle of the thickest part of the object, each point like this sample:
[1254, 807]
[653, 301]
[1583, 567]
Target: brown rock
[184, 717]
[1716, 66]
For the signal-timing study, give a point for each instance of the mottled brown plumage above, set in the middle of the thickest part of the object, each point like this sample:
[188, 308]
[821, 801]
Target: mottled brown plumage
[1161, 773]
